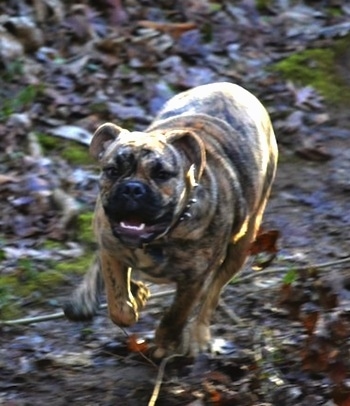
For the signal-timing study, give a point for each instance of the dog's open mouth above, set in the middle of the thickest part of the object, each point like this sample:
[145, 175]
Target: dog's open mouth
[135, 233]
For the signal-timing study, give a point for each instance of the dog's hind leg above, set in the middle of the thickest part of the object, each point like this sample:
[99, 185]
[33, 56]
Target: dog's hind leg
[237, 253]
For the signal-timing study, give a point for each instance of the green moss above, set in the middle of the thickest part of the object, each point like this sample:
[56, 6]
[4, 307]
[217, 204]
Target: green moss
[84, 228]
[263, 4]
[76, 266]
[71, 151]
[215, 7]
[28, 283]
[14, 70]
[77, 155]
[318, 68]
[52, 245]
[19, 100]
[48, 142]
[335, 11]
[7, 308]
[99, 107]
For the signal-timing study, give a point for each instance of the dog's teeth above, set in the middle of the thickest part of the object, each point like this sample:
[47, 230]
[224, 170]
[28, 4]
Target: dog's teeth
[133, 227]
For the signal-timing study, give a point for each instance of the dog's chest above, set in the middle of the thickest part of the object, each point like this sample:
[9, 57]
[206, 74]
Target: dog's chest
[150, 260]
[169, 263]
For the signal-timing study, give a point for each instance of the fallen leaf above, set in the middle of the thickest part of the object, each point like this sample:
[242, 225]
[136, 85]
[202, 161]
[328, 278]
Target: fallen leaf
[341, 395]
[72, 132]
[8, 179]
[316, 153]
[135, 344]
[265, 242]
[214, 396]
[338, 372]
[173, 29]
[339, 327]
[117, 14]
[309, 316]
[327, 296]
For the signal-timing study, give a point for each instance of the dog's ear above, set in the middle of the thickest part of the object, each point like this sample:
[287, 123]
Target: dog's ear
[103, 137]
[192, 146]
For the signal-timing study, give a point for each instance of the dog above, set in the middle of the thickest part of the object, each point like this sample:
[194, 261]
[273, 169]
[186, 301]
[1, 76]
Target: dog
[180, 202]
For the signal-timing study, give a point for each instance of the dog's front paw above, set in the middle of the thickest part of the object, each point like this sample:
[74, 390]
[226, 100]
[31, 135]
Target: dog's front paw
[168, 342]
[200, 338]
[193, 340]
[124, 311]
[140, 293]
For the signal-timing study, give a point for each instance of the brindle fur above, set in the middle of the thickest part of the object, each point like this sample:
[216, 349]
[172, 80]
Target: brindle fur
[220, 141]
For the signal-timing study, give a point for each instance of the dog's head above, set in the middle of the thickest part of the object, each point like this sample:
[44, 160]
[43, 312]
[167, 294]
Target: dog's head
[146, 179]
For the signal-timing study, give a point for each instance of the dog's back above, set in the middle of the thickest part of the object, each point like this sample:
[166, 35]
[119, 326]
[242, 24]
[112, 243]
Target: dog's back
[241, 130]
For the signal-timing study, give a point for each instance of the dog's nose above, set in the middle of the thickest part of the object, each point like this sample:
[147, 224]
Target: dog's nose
[134, 190]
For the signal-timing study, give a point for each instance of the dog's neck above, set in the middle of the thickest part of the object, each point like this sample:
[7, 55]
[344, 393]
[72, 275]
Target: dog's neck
[191, 185]
[188, 201]
[185, 213]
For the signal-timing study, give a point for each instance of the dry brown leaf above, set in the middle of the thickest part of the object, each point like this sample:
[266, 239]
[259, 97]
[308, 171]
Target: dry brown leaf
[316, 153]
[265, 242]
[214, 396]
[309, 321]
[135, 344]
[8, 179]
[173, 29]
[338, 372]
[341, 395]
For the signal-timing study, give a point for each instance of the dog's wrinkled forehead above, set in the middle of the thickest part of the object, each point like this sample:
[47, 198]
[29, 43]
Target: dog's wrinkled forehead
[135, 145]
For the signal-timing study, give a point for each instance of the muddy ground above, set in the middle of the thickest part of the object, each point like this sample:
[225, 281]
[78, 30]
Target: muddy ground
[281, 336]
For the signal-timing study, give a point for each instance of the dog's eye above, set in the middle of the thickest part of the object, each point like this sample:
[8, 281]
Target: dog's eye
[159, 173]
[111, 172]
[164, 175]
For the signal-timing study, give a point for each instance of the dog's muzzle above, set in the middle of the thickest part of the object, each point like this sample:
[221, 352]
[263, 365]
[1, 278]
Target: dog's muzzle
[134, 212]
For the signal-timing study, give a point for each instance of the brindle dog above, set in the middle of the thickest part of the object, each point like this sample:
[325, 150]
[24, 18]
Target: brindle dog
[180, 202]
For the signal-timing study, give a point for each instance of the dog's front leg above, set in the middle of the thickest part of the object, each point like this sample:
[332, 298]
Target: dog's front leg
[124, 297]
[170, 337]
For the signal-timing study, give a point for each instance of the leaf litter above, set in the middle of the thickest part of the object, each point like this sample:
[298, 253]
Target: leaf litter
[67, 67]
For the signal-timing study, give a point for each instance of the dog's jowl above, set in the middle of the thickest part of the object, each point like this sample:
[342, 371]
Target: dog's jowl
[180, 202]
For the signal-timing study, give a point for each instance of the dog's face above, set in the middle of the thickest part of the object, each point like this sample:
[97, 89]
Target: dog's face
[146, 179]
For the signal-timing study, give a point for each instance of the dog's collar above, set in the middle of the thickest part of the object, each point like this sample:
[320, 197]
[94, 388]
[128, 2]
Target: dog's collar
[185, 214]
[191, 185]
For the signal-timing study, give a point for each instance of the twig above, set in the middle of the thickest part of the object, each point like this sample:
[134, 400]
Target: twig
[159, 378]
[69, 206]
[30, 320]
[253, 275]
[37, 319]
[59, 315]
[230, 313]
[34, 146]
